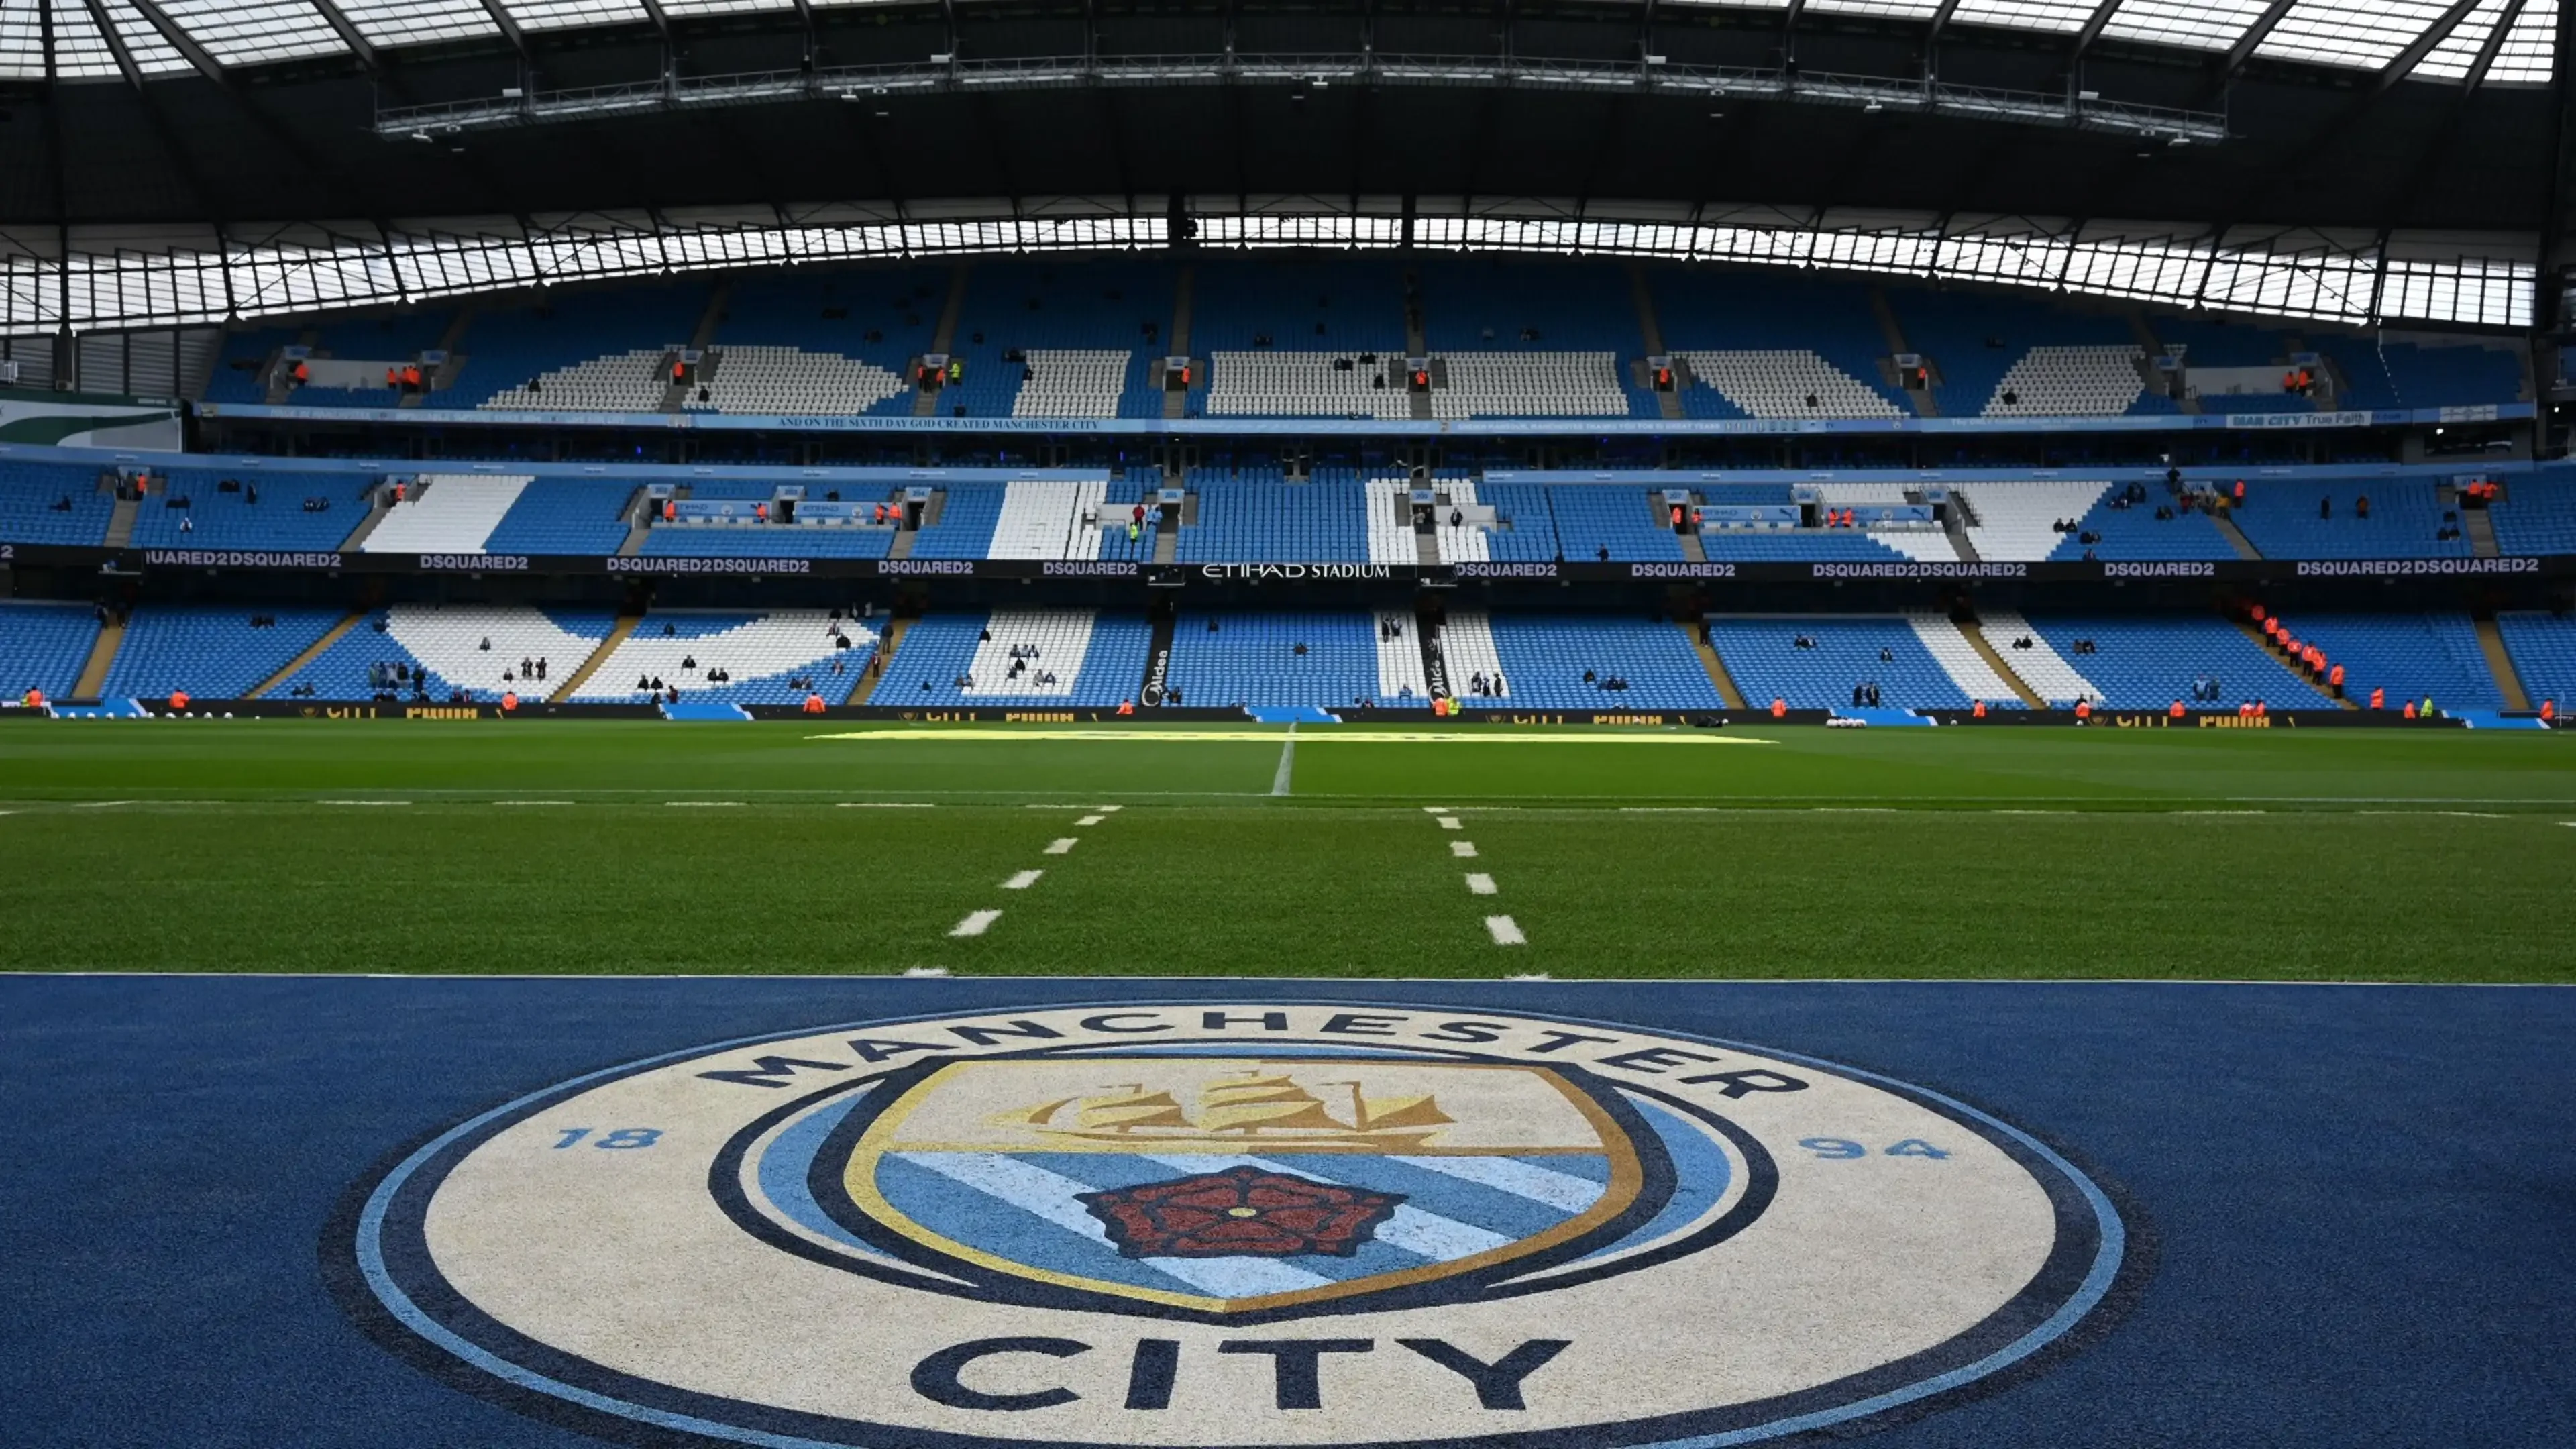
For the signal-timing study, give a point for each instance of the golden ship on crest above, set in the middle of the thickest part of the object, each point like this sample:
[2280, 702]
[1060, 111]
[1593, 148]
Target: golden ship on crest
[1258, 1109]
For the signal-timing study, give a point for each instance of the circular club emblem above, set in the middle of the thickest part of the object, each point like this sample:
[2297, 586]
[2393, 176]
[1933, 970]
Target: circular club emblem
[1247, 1223]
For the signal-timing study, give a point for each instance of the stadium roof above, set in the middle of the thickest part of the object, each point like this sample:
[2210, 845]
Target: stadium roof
[2367, 133]
[77, 39]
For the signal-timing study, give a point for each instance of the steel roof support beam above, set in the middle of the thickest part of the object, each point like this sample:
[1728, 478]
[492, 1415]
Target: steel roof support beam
[154, 118]
[350, 36]
[510, 31]
[2351, 113]
[2255, 34]
[2421, 173]
[2092, 30]
[184, 43]
[2554, 249]
[2413, 55]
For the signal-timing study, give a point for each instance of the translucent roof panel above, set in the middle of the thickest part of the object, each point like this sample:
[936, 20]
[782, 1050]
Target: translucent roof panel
[2456, 52]
[415, 22]
[22, 40]
[556, 14]
[1739, 4]
[2025, 14]
[1898, 9]
[152, 52]
[2363, 33]
[723, 7]
[2200, 24]
[2524, 61]
[246, 32]
[79, 54]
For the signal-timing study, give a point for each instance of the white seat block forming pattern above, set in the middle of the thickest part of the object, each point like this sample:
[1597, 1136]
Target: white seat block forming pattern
[1930, 545]
[1072, 383]
[1062, 638]
[1399, 660]
[781, 642]
[1042, 518]
[454, 514]
[624, 382]
[1463, 542]
[1778, 384]
[2040, 666]
[1467, 648]
[450, 641]
[1528, 384]
[1390, 522]
[2067, 382]
[1303, 384]
[2013, 519]
[791, 380]
[1959, 659]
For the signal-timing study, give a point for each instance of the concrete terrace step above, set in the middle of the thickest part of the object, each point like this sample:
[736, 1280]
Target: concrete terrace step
[617, 633]
[329, 637]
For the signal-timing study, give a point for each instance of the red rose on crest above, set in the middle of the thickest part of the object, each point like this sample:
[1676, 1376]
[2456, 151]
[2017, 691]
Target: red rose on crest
[1240, 1212]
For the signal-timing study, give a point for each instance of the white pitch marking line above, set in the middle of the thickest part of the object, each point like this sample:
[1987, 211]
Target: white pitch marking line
[1452, 822]
[886, 805]
[702, 804]
[1505, 931]
[925, 971]
[975, 924]
[1088, 820]
[1063, 846]
[98, 804]
[1108, 809]
[1528, 976]
[1435, 809]
[1480, 883]
[1023, 880]
[1463, 849]
[362, 802]
[532, 802]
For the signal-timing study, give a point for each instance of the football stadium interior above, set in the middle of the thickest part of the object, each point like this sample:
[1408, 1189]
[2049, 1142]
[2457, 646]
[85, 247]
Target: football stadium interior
[1886, 680]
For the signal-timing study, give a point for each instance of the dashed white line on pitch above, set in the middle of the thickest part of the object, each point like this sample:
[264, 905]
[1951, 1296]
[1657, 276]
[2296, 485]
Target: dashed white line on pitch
[888, 805]
[1435, 809]
[1504, 931]
[1088, 820]
[1452, 822]
[1062, 846]
[362, 802]
[1480, 884]
[924, 971]
[99, 804]
[1023, 880]
[532, 802]
[1108, 809]
[975, 924]
[702, 804]
[1463, 849]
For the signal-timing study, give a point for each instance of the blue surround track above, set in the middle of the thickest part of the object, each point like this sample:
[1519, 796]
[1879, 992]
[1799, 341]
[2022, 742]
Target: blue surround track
[2353, 1203]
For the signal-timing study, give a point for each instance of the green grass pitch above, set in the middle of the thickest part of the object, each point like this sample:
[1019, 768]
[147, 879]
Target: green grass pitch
[638, 847]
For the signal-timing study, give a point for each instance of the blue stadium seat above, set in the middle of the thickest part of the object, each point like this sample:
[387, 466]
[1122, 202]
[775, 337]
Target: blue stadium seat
[213, 653]
[43, 646]
[1763, 656]
[2148, 662]
[2543, 647]
[940, 649]
[1544, 658]
[1252, 659]
[29, 493]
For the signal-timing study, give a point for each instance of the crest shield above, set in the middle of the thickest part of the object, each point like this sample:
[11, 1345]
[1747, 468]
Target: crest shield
[1237, 1185]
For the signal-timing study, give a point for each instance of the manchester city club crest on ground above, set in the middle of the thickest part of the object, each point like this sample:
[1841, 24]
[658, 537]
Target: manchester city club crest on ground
[1232, 1224]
